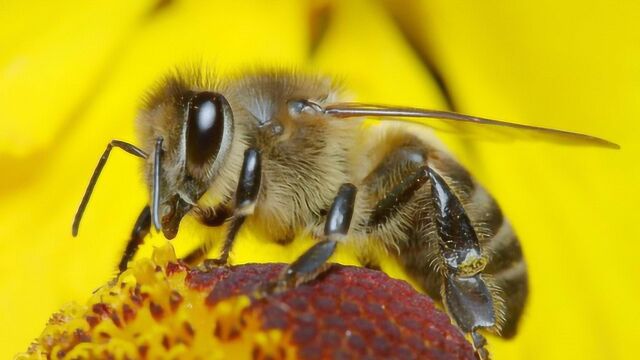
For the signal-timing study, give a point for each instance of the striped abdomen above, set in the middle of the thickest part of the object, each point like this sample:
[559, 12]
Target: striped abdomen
[410, 227]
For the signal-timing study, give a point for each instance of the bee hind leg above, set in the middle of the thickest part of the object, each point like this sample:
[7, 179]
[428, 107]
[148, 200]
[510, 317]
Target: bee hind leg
[479, 343]
[398, 196]
[314, 261]
[466, 296]
[468, 301]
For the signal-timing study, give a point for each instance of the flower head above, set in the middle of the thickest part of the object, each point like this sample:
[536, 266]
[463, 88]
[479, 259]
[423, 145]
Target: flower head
[161, 308]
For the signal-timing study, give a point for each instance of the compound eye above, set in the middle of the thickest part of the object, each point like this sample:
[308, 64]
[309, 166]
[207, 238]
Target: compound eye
[205, 127]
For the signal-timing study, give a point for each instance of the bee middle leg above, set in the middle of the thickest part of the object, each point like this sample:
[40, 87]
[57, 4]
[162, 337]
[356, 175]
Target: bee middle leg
[142, 228]
[314, 261]
[245, 200]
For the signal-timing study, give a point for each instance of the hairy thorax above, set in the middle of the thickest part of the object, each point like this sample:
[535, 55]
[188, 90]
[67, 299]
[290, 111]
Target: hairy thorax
[302, 171]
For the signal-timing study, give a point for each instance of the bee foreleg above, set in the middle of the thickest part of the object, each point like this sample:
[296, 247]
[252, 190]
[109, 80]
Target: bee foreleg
[466, 295]
[232, 232]
[245, 201]
[140, 230]
[314, 261]
[211, 217]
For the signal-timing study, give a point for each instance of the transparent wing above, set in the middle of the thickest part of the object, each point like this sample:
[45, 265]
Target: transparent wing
[460, 123]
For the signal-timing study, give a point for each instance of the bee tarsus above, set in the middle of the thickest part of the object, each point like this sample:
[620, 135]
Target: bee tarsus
[314, 261]
[223, 259]
[479, 342]
[140, 230]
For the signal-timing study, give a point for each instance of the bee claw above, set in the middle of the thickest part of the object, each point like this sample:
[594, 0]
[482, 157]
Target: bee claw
[274, 287]
[479, 343]
[213, 263]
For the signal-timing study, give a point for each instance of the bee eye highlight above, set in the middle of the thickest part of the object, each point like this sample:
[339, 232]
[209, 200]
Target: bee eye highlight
[205, 127]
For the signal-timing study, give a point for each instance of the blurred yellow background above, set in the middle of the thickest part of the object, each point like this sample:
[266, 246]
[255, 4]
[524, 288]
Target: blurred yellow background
[72, 74]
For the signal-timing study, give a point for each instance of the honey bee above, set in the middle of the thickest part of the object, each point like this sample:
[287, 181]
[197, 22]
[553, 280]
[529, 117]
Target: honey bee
[279, 152]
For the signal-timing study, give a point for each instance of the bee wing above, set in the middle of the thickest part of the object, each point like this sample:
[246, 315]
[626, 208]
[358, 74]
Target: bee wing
[444, 120]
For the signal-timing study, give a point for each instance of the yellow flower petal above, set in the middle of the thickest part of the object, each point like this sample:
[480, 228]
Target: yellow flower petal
[50, 69]
[569, 65]
[38, 202]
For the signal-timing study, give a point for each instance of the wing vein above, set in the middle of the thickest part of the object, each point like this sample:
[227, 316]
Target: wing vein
[425, 117]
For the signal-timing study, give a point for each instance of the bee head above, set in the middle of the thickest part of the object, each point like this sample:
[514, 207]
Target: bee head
[188, 134]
